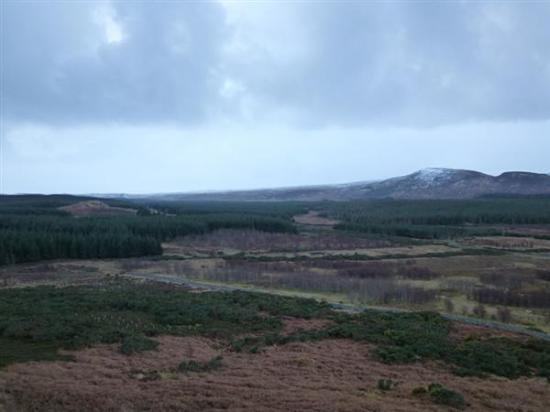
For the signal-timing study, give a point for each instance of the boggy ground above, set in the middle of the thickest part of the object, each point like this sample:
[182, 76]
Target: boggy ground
[335, 375]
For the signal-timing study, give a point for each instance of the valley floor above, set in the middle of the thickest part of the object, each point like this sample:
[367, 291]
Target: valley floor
[231, 348]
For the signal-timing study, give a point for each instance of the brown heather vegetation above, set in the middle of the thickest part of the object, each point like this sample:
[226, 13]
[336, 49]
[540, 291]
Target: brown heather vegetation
[253, 240]
[297, 376]
[314, 218]
[412, 255]
[96, 208]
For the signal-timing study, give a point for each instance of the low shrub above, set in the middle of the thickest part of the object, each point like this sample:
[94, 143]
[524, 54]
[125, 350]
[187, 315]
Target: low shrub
[419, 391]
[137, 344]
[444, 396]
[14, 351]
[196, 366]
[441, 395]
[36, 322]
[411, 337]
[386, 384]
[39, 321]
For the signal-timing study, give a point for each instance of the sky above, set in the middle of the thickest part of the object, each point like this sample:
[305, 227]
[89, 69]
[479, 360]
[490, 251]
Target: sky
[175, 96]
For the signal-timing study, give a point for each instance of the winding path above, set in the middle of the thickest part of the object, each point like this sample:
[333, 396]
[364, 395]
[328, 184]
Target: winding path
[193, 284]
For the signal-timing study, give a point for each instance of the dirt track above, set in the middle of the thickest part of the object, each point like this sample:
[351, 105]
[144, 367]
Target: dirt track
[338, 306]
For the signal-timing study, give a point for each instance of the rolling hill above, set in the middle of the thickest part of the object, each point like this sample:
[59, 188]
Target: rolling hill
[432, 183]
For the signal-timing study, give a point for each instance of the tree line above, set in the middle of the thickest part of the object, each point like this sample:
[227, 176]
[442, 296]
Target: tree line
[31, 237]
[519, 210]
[439, 219]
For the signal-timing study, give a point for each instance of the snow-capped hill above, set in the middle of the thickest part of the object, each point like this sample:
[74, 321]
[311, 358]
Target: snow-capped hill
[432, 173]
[431, 183]
[443, 183]
[438, 183]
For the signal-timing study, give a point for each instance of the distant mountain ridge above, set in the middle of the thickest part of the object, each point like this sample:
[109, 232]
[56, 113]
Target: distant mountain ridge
[431, 183]
[457, 184]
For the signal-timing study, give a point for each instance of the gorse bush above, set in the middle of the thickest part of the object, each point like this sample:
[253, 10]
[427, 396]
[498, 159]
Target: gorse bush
[444, 396]
[500, 356]
[410, 337]
[15, 351]
[35, 322]
[44, 319]
[137, 344]
[441, 395]
[196, 366]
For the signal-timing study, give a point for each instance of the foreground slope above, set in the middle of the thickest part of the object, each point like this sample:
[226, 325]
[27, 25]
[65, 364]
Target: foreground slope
[128, 346]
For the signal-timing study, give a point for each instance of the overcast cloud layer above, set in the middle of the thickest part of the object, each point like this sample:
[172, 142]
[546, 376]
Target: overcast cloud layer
[175, 96]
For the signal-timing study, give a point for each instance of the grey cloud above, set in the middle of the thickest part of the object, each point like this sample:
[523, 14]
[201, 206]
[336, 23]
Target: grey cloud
[361, 63]
[59, 69]
[415, 63]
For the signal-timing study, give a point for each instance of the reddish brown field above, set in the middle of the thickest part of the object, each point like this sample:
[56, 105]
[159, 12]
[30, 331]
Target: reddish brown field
[96, 208]
[256, 241]
[335, 375]
[313, 218]
[59, 272]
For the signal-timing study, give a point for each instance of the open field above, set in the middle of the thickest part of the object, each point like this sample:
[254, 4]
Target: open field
[439, 275]
[96, 208]
[314, 218]
[95, 311]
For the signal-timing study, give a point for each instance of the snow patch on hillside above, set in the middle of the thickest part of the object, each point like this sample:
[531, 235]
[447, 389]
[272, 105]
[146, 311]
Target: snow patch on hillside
[432, 174]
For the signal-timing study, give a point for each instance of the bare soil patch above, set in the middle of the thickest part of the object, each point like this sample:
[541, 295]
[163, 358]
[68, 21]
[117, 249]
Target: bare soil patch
[462, 331]
[327, 375]
[314, 218]
[59, 272]
[96, 208]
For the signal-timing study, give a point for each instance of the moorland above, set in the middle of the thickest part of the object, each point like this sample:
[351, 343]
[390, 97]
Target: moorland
[378, 304]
